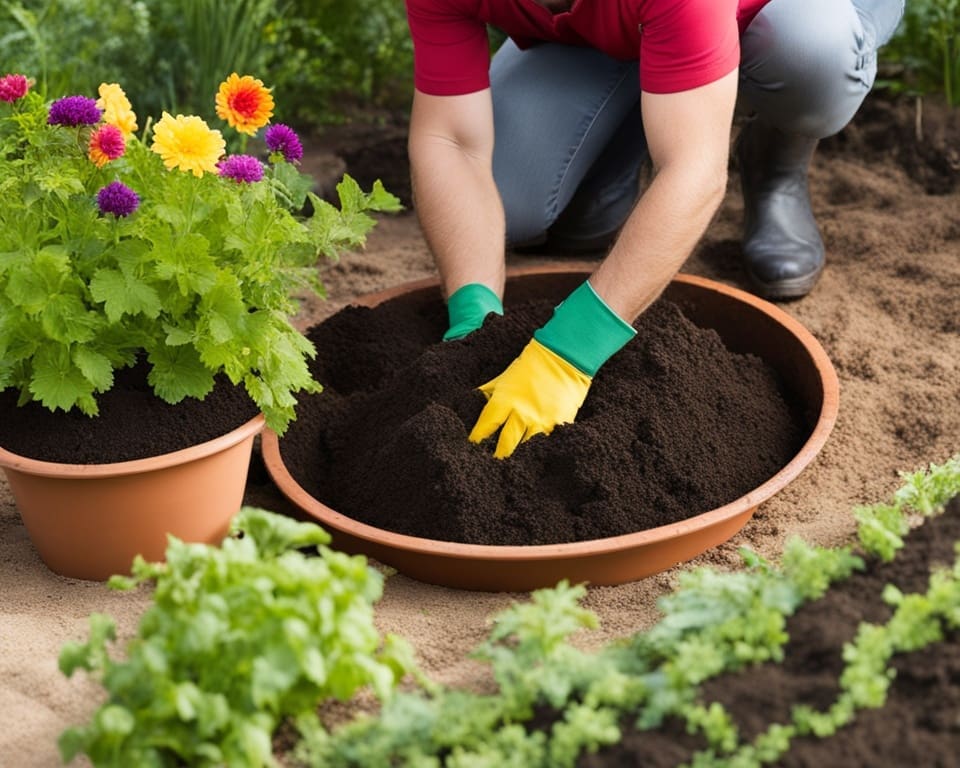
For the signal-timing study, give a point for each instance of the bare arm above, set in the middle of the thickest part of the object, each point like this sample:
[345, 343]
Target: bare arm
[688, 135]
[459, 208]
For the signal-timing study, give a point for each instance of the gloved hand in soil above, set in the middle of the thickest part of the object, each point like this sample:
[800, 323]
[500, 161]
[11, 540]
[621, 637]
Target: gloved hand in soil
[548, 382]
[467, 307]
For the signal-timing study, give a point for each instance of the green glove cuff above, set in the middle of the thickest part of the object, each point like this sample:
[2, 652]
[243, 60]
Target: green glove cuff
[467, 307]
[584, 331]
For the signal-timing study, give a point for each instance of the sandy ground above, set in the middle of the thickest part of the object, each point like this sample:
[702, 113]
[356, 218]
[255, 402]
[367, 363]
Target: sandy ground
[887, 310]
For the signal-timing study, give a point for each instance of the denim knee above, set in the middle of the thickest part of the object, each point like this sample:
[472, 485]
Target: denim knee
[807, 65]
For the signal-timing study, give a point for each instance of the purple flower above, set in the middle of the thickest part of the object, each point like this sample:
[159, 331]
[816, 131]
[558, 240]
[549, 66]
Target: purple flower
[117, 198]
[282, 138]
[74, 110]
[241, 168]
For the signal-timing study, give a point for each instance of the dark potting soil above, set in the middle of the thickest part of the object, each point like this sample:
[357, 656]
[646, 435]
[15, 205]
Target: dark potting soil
[132, 423]
[918, 724]
[674, 425]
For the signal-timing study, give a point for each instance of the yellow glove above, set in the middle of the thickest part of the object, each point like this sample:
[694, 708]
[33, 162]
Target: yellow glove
[547, 383]
[536, 392]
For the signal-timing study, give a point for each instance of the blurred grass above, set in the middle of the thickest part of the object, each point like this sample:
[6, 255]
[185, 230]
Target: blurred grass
[923, 57]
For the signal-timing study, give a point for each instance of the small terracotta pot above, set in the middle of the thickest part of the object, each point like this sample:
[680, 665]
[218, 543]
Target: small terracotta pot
[88, 521]
[746, 324]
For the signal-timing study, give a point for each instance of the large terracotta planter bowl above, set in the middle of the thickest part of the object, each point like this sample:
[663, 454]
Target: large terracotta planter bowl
[745, 323]
[88, 521]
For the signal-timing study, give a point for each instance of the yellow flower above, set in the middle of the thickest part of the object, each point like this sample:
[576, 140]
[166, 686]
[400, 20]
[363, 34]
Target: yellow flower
[244, 103]
[116, 108]
[187, 143]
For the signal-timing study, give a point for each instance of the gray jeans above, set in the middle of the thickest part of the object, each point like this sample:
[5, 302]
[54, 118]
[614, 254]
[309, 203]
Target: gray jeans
[569, 137]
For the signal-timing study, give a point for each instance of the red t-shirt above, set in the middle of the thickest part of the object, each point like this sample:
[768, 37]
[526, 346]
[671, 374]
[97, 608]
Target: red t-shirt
[680, 44]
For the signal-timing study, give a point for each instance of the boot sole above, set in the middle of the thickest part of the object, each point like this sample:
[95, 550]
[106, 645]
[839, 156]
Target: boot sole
[794, 288]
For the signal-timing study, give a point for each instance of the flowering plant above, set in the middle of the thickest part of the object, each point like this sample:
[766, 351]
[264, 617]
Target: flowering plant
[115, 246]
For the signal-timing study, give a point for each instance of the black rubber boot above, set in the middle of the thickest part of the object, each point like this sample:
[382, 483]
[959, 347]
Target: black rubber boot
[783, 250]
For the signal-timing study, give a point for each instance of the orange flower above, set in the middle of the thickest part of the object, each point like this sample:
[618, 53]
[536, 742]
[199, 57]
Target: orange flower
[245, 103]
[106, 144]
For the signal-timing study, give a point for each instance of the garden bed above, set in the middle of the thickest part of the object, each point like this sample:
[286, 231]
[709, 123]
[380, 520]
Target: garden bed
[831, 653]
[917, 724]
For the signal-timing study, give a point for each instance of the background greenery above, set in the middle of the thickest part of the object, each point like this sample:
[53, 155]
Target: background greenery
[924, 55]
[326, 59]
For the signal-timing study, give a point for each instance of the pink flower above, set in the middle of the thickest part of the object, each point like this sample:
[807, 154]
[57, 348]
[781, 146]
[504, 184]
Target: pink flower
[106, 144]
[13, 87]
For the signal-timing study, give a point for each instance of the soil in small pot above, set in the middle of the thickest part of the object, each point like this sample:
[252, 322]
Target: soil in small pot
[132, 423]
[918, 724]
[674, 425]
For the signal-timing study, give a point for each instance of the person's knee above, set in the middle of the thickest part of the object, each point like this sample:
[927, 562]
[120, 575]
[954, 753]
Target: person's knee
[808, 64]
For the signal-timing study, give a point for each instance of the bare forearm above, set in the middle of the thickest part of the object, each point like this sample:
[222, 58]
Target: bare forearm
[660, 234]
[460, 214]
[451, 168]
[688, 135]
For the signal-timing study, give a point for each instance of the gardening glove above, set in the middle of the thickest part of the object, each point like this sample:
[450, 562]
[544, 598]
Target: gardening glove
[549, 380]
[467, 307]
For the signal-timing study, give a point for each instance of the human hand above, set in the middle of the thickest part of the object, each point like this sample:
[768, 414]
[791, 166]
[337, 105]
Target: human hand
[537, 391]
[467, 307]
[549, 380]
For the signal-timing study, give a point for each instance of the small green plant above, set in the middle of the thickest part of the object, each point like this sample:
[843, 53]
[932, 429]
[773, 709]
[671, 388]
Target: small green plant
[237, 639]
[115, 246]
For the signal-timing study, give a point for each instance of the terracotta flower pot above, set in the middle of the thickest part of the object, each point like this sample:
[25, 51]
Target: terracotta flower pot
[745, 323]
[88, 521]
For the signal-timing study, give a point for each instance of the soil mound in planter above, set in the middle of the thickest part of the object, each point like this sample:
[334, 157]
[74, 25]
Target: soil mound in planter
[133, 423]
[674, 425]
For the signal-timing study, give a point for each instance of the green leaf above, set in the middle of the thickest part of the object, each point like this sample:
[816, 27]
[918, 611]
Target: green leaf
[186, 261]
[31, 284]
[66, 319]
[57, 382]
[177, 373]
[381, 200]
[95, 367]
[122, 294]
[293, 185]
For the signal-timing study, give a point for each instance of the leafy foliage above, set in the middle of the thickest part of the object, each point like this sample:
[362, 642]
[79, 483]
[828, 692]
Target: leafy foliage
[173, 52]
[196, 41]
[201, 279]
[554, 702]
[329, 51]
[927, 48]
[72, 46]
[236, 639]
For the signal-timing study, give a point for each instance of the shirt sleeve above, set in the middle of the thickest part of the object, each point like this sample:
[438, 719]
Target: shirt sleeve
[688, 44]
[451, 51]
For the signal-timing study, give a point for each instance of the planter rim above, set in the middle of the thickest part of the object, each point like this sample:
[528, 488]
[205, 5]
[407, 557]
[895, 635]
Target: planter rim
[39, 467]
[825, 422]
